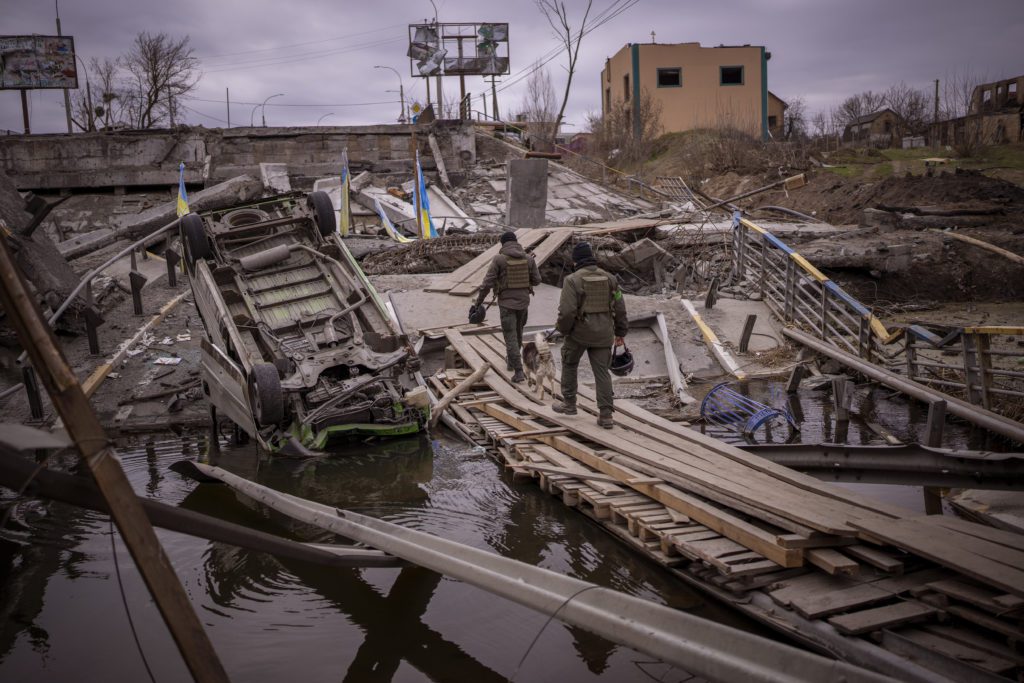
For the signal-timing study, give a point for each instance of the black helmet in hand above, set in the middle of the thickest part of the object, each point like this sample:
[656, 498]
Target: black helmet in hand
[622, 362]
[477, 313]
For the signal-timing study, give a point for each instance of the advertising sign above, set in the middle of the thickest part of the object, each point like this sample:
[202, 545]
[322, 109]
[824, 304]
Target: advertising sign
[459, 49]
[29, 62]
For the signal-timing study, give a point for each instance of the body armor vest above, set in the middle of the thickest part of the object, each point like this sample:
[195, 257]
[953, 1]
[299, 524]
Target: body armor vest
[517, 273]
[597, 295]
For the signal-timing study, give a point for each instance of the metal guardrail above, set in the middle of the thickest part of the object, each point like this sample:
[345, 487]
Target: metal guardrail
[981, 364]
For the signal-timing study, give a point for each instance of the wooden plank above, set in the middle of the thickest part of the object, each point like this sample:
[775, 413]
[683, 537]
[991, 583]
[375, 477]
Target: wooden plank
[959, 650]
[876, 558]
[716, 479]
[988, 622]
[813, 604]
[466, 270]
[714, 518]
[474, 281]
[945, 664]
[832, 561]
[954, 550]
[982, 531]
[882, 617]
[778, 499]
[975, 640]
[964, 592]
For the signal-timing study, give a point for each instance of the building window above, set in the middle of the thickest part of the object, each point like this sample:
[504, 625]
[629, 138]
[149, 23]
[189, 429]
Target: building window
[670, 78]
[731, 75]
[625, 87]
[773, 121]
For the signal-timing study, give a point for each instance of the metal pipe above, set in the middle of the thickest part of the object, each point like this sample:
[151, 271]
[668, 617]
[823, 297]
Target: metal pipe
[702, 647]
[88, 277]
[1011, 429]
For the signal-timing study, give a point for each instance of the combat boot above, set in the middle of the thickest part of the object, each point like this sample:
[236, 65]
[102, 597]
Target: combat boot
[605, 419]
[564, 408]
[519, 377]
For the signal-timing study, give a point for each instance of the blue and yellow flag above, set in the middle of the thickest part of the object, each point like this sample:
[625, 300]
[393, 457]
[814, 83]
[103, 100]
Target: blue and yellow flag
[389, 227]
[345, 217]
[182, 196]
[426, 224]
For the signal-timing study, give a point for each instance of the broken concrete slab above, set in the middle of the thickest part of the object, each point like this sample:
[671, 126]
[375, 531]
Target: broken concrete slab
[275, 178]
[526, 193]
[233, 192]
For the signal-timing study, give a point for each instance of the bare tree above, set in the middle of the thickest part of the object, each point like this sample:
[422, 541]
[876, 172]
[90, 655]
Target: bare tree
[160, 70]
[108, 97]
[558, 17]
[795, 119]
[539, 108]
[911, 106]
[957, 90]
[855, 106]
[616, 138]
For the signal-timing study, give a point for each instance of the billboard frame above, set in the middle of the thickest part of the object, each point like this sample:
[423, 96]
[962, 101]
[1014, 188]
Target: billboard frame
[68, 83]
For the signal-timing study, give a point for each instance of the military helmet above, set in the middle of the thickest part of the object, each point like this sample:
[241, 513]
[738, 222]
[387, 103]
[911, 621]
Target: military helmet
[622, 363]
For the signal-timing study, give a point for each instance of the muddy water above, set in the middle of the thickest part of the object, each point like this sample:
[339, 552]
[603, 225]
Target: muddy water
[63, 618]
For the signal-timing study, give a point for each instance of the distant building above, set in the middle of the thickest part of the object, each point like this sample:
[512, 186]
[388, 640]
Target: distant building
[697, 87]
[776, 116]
[877, 129]
[996, 115]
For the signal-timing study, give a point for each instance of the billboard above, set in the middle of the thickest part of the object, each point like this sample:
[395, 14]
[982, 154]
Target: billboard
[467, 49]
[37, 62]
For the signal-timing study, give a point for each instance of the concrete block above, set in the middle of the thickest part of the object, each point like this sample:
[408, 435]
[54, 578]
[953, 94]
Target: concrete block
[275, 178]
[526, 192]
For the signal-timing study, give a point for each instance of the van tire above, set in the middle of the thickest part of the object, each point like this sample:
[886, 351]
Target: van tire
[265, 395]
[193, 234]
[323, 212]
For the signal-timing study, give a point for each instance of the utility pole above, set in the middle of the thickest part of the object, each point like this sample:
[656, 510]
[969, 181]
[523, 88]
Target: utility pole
[93, 446]
[227, 98]
[494, 98]
[24, 111]
[67, 97]
[935, 126]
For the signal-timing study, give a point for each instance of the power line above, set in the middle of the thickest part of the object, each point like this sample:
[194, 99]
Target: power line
[311, 42]
[602, 18]
[274, 104]
[288, 59]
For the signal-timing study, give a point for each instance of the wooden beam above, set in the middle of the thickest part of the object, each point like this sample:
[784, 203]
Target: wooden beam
[443, 402]
[84, 428]
[832, 561]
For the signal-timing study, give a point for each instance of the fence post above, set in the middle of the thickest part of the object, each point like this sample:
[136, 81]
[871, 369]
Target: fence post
[972, 369]
[824, 311]
[790, 302]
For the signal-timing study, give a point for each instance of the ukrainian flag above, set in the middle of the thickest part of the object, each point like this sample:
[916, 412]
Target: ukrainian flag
[427, 225]
[182, 196]
[345, 219]
[389, 227]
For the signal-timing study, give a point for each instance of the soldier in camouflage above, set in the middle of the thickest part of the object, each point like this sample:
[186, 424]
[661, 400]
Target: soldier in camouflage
[592, 317]
[512, 275]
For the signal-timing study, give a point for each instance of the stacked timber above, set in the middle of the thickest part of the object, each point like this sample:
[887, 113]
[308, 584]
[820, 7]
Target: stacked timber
[467, 280]
[938, 591]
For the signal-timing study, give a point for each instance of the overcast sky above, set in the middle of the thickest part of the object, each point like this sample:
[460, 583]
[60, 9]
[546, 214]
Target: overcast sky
[321, 53]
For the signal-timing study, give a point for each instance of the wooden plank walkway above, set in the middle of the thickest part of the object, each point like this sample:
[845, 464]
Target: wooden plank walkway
[739, 525]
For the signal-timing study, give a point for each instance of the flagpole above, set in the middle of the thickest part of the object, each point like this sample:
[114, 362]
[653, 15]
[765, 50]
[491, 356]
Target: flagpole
[416, 194]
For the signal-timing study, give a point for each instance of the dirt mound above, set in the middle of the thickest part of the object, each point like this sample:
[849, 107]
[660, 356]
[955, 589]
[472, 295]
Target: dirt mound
[840, 201]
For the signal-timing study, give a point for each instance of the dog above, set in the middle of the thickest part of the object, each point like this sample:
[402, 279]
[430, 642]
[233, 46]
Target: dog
[538, 365]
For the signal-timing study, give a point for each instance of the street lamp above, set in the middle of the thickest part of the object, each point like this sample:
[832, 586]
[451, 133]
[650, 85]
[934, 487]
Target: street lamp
[263, 107]
[323, 117]
[88, 96]
[401, 92]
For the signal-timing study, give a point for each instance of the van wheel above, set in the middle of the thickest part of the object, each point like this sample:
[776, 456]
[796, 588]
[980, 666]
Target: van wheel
[265, 395]
[323, 212]
[193, 234]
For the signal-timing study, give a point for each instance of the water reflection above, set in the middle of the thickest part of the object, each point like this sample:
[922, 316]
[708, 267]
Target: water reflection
[271, 619]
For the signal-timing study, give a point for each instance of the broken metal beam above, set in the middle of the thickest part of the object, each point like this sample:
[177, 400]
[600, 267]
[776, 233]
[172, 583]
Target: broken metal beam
[910, 464]
[1011, 429]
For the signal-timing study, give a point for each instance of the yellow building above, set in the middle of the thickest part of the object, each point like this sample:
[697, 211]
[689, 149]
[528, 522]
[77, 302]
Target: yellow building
[697, 87]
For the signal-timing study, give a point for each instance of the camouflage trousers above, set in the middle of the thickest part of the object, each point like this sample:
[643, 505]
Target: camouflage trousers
[512, 324]
[600, 361]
